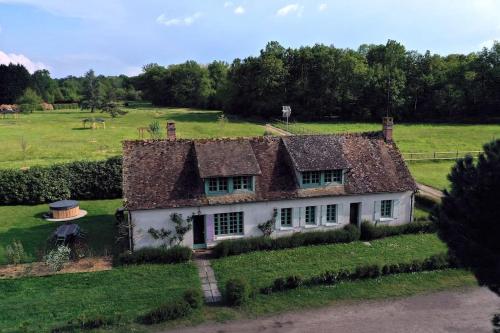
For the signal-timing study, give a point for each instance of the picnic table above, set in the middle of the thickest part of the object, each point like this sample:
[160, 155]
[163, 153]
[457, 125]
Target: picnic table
[66, 231]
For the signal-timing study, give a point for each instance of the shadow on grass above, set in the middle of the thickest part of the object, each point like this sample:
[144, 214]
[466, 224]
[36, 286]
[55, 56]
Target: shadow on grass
[100, 230]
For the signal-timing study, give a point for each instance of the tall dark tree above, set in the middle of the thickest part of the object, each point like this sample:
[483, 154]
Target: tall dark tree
[469, 219]
[92, 94]
[14, 79]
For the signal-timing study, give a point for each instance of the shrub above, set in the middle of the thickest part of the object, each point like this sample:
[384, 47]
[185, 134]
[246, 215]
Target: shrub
[78, 180]
[237, 292]
[165, 312]
[234, 247]
[15, 253]
[159, 255]
[369, 231]
[293, 281]
[56, 258]
[193, 297]
[367, 271]
[279, 284]
[84, 323]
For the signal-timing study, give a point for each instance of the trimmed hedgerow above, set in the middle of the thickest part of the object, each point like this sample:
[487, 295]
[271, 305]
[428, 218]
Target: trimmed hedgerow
[369, 231]
[226, 248]
[435, 262]
[237, 292]
[77, 180]
[165, 312]
[159, 255]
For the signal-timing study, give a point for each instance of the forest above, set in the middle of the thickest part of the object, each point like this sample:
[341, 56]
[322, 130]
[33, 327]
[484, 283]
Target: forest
[319, 82]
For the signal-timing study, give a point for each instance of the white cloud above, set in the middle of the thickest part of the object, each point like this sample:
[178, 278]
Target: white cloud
[133, 70]
[228, 4]
[89, 9]
[488, 43]
[21, 59]
[322, 7]
[290, 9]
[239, 10]
[188, 20]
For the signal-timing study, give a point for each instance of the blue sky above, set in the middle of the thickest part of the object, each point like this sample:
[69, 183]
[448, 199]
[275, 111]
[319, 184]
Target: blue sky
[114, 37]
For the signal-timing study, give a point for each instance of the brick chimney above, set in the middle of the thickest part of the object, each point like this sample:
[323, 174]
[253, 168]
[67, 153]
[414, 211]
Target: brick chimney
[387, 123]
[170, 130]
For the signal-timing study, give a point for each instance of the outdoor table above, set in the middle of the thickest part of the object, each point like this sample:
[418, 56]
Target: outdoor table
[67, 230]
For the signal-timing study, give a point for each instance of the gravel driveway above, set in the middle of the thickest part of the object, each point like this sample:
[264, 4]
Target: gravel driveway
[467, 310]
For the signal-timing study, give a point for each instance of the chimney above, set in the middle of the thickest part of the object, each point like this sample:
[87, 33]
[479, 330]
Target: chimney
[170, 130]
[387, 123]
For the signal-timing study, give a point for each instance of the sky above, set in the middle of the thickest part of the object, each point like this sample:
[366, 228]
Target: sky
[114, 37]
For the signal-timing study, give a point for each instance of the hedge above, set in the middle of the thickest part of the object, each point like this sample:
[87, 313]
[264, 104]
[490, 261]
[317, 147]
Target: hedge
[347, 234]
[84, 324]
[65, 106]
[75, 180]
[435, 262]
[165, 312]
[237, 292]
[370, 231]
[155, 255]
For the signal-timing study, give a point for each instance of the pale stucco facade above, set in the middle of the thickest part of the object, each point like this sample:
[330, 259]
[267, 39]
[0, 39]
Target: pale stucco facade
[255, 213]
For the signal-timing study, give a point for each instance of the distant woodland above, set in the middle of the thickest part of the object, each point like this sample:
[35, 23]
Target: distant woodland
[319, 82]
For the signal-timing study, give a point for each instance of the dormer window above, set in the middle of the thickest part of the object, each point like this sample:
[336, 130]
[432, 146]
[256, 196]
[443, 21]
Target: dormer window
[227, 185]
[322, 178]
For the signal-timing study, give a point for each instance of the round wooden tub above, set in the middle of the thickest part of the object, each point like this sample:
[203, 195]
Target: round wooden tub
[64, 209]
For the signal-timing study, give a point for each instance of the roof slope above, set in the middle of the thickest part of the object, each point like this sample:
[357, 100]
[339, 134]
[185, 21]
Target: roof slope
[223, 158]
[165, 174]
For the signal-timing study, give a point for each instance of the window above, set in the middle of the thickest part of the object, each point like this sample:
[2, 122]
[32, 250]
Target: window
[311, 178]
[286, 217]
[242, 183]
[217, 185]
[333, 176]
[386, 208]
[227, 224]
[331, 214]
[310, 215]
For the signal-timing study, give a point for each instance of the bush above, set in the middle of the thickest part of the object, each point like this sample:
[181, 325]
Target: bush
[367, 271]
[165, 312]
[347, 234]
[237, 292]
[369, 231]
[56, 259]
[65, 106]
[159, 255]
[77, 180]
[15, 253]
[293, 281]
[193, 297]
[84, 324]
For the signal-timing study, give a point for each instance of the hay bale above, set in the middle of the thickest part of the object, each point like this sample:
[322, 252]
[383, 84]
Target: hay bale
[47, 106]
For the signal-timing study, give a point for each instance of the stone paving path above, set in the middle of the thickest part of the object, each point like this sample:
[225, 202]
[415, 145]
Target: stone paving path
[208, 283]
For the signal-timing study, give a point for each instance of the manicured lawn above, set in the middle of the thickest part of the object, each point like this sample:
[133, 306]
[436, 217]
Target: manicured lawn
[42, 302]
[261, 268]
[58, 136]
[433, 174]
[25, 223]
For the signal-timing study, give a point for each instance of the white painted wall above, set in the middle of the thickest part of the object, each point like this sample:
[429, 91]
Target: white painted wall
[259, 212]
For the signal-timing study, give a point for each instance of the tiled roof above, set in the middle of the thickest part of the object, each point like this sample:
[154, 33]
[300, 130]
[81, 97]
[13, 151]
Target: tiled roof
[225, 158]
[165, 174]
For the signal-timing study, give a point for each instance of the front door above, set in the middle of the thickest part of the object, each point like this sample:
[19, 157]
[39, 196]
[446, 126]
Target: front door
[354, 213]
[199, 231]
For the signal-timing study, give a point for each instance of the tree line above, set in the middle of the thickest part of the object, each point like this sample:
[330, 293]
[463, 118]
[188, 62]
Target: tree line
[318, 82]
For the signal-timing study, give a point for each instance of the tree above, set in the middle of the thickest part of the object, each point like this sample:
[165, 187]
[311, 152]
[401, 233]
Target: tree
[109, 104]
[29, 101]
[45, 86]
[14, 79]
[92, 98]
[468, 218]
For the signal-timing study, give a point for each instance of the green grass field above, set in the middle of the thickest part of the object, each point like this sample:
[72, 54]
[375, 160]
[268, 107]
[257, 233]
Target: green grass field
[59, 136]
[25, 223]
[39, 303]
[432, 173]
[261, 268]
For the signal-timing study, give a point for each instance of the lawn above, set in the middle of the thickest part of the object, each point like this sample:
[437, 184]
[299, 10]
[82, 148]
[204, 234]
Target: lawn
[430, 173]
[261, 268]
[25, 223]
[59, 136]
[42, 302]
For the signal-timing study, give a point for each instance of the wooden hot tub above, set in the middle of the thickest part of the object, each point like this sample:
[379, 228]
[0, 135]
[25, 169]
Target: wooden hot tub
[64, 209]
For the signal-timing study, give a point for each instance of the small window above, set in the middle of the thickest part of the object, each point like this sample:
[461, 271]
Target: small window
[331, 214]
[216, 185]
[333, 176]
[311, 178]
[242, 183]
[386, 208]
[227, 224]
[310, 215]
[286, 217]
